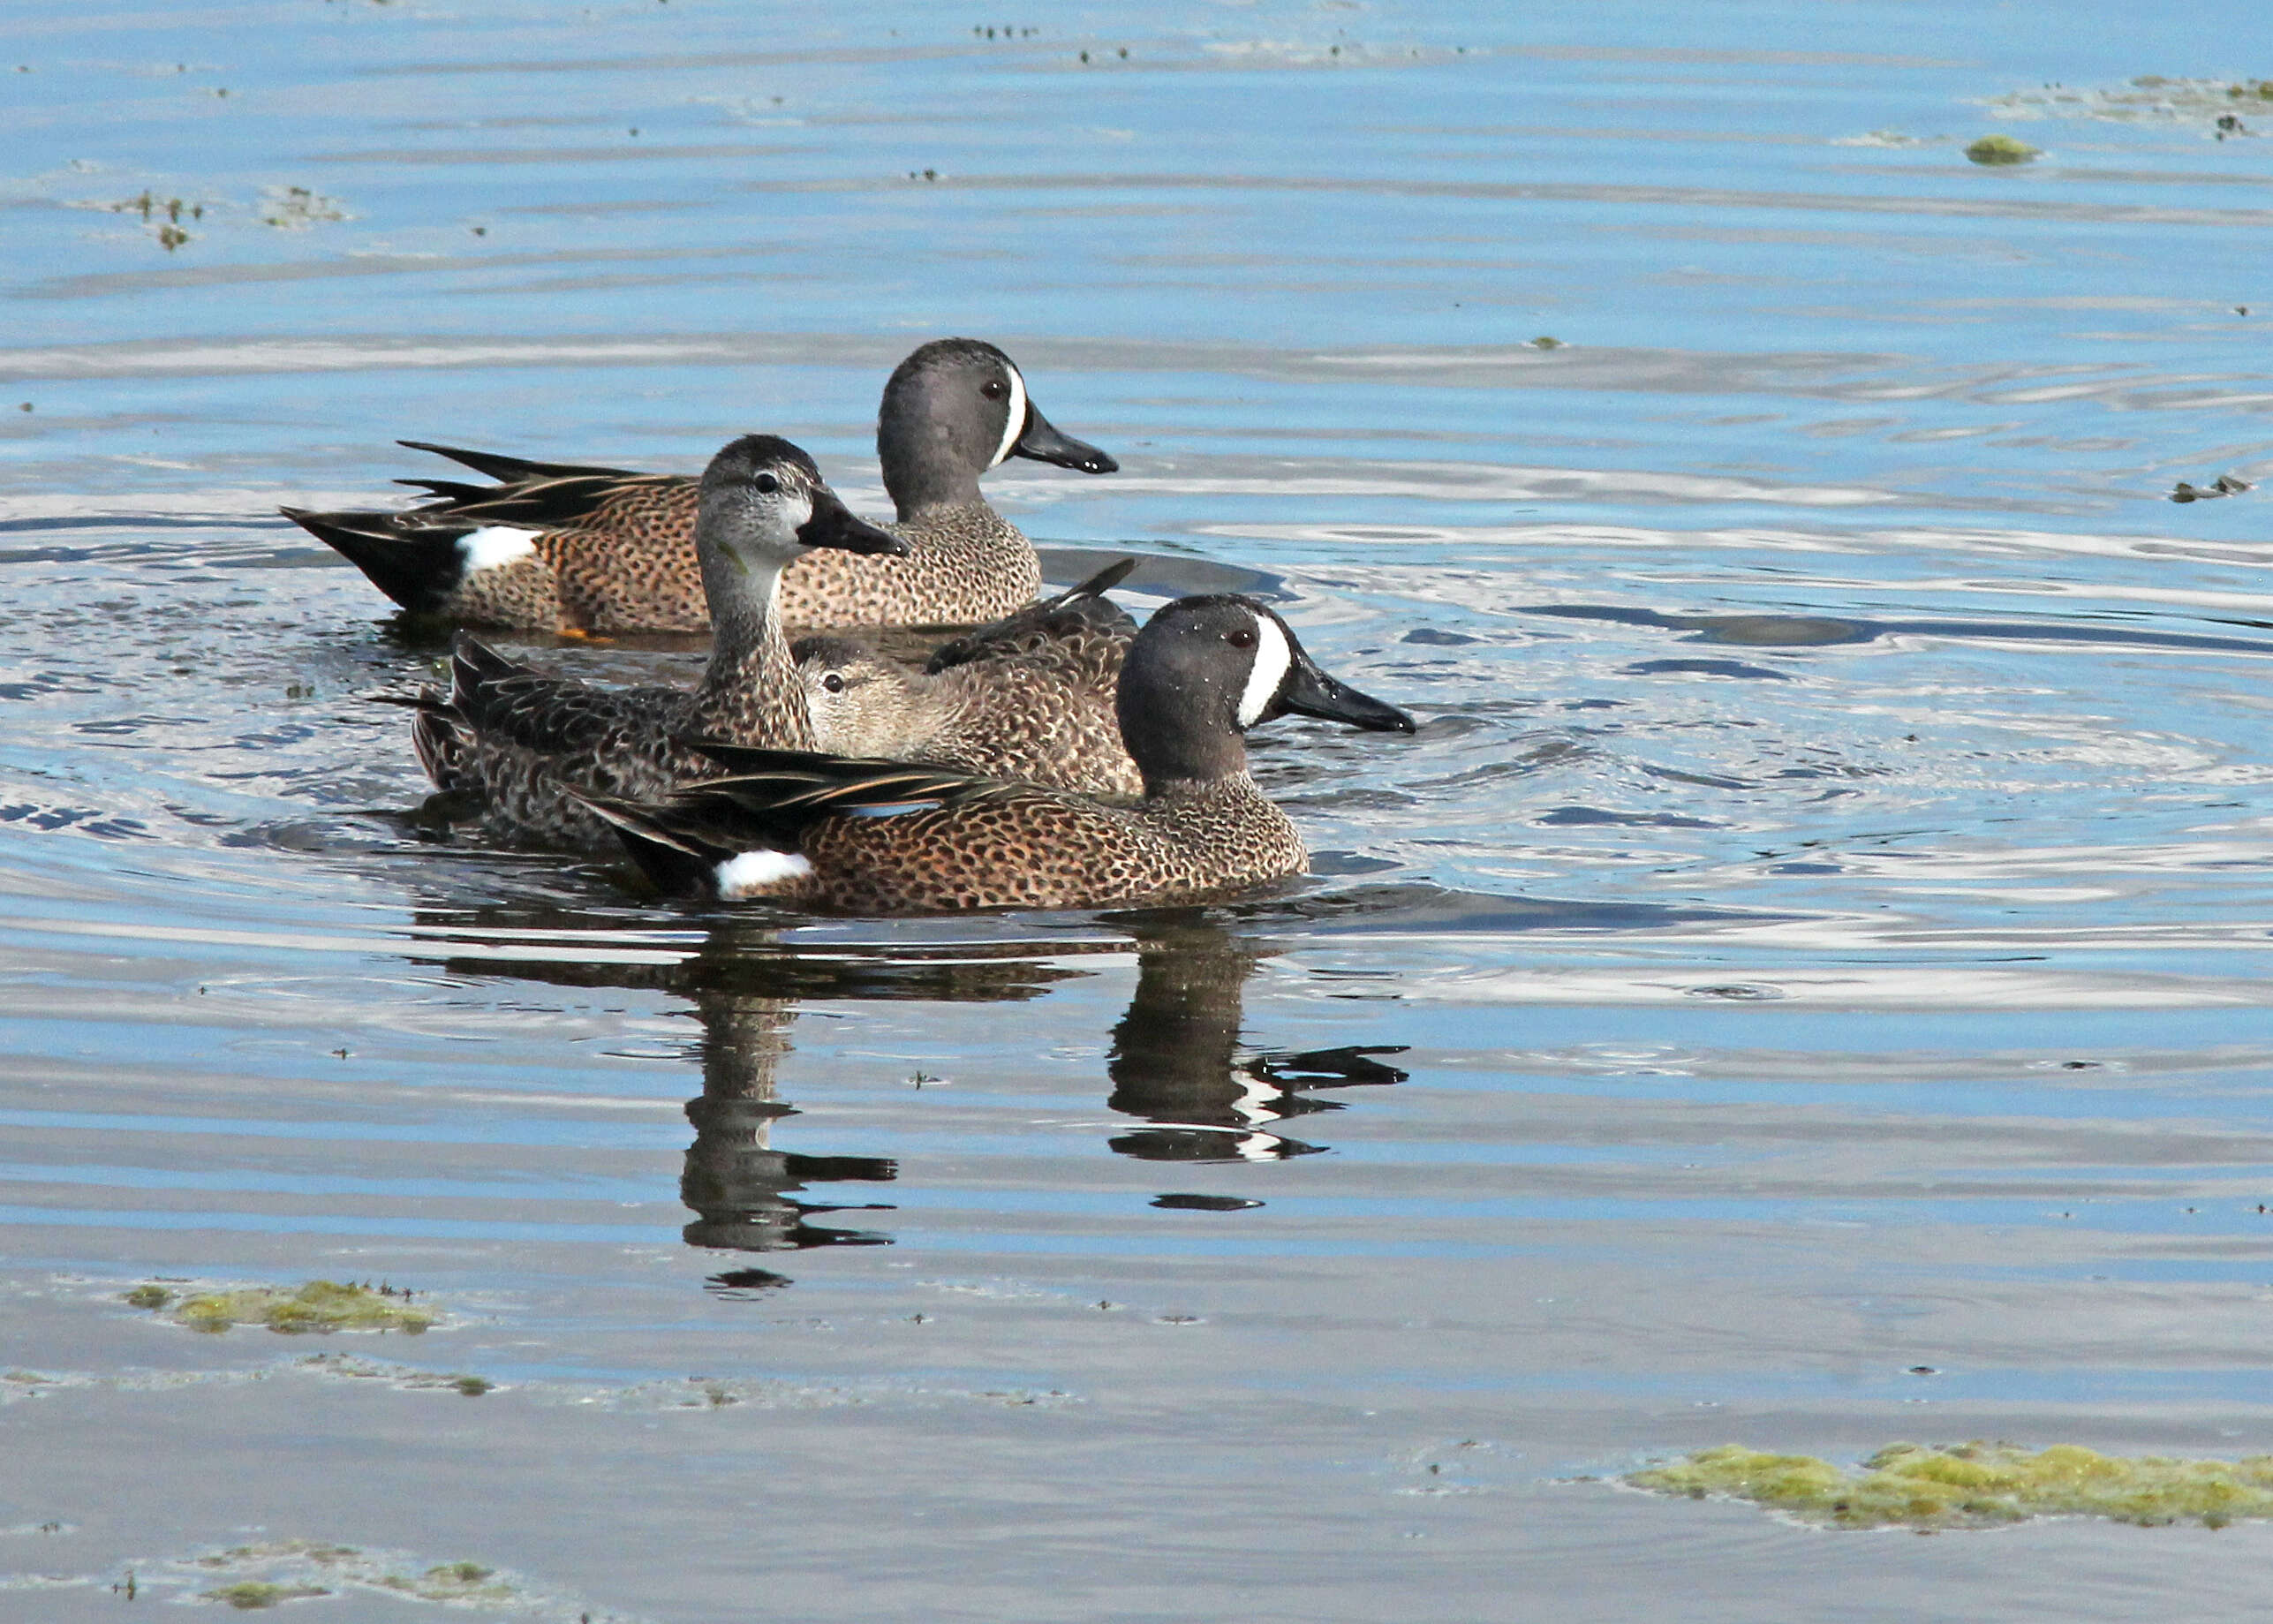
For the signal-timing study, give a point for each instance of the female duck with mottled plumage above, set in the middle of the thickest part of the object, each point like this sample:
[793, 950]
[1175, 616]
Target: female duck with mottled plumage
[873, 837]
[573, 549]
[1030, 697]
[517, 742]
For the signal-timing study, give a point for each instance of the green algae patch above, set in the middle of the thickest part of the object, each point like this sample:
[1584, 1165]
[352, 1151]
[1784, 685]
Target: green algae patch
[320, 1306]
[260, 1593]
[453, 1581]
[1974, 1486]
[147, 1296]
[1994, 149]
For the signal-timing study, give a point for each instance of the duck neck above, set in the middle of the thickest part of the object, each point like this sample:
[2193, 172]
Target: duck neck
[1181, 762]
[750, 691]
[1231, 786]
[923, 470]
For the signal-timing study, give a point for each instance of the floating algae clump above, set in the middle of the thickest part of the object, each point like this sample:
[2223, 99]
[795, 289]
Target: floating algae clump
[2001, 149]
[453, 1581]
[1974, 1485]
[319, 1305]
[259, 1593]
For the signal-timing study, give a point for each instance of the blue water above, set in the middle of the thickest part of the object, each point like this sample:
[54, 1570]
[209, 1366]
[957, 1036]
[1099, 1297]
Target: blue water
[1818, 935]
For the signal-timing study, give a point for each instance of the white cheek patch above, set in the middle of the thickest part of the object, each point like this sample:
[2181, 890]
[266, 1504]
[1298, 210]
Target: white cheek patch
[1015, 425]
[1271, 659]
[493, 545]
[803, 512]
[754, 873]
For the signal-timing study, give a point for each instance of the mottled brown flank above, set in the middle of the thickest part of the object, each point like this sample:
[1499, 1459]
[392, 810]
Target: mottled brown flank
[521, 594]
[630, 566]
[1042, 713]
[1032, 848]
[522, 743]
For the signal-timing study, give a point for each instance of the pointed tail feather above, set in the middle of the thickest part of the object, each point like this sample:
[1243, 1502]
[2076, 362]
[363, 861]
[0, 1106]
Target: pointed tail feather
[514, 470]
[417, 565]
[680, 862]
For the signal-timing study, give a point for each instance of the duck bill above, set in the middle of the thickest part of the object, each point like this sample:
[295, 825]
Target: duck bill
[1310, 691]
[1045, 444]
[833, 524]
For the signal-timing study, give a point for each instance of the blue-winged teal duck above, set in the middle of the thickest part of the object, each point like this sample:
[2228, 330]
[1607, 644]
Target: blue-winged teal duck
[873, 837]
[563, 547]
[1029, 697]
[516, 740]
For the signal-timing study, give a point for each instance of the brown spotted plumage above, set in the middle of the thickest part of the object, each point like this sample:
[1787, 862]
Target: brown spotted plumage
[1030, 697]
[569, 548]
[873, 837]
[518, 741]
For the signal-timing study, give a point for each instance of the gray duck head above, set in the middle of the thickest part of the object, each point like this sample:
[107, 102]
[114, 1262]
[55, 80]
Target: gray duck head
[955, 409]
[764, 501]
[1203, 670]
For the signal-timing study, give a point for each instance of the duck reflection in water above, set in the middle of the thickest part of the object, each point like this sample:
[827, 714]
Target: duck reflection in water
[746, 991]
[745, 986]
[743, 1189]
[1175, 1058]
[1176, 1062]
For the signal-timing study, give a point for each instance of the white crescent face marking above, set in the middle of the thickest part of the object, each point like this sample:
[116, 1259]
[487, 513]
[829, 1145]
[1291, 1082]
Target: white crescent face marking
[493, 545]
[753, 873]
[1271, 659]
[1015, 425]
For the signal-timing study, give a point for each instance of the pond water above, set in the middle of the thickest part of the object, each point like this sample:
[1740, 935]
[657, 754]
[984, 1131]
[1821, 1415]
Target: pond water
[1804, 985]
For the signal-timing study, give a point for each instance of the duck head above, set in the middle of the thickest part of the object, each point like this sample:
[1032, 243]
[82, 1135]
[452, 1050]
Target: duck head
[1203, 670]
[764, 501]
[955, 409]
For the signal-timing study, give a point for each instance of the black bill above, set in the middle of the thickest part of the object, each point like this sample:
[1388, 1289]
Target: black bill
[1310, 691]
[1045, 444]
[833, 524]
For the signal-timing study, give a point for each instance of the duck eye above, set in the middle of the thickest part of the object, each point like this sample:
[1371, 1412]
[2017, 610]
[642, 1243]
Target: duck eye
[767, 484]
[1243, 636]
[834, 683]
[994, 388]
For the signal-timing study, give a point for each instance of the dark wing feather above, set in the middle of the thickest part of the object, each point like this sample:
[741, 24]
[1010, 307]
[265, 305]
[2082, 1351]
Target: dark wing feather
[801, 786]
[1079, 617]
[532, 495]
[451, 493]
[508, 703]
[561, 502]
[514, 470]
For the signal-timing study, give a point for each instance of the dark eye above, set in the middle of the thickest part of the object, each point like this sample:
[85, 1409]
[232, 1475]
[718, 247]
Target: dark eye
[833, 682]
[767, 484]
[994, 388]
[1243, 636]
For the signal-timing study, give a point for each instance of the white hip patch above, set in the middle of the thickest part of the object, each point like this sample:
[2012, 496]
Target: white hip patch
[1271, 659]
[754, 873]
[1016, 424]
[493, 545]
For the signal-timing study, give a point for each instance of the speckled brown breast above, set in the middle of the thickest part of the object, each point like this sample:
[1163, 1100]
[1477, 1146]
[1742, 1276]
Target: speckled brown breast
[1031, 847]
[1043, 722]
[964, 564]
[631, 567]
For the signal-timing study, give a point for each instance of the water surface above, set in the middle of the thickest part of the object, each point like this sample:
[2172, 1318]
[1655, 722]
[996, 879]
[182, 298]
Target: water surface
[1803, 985]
